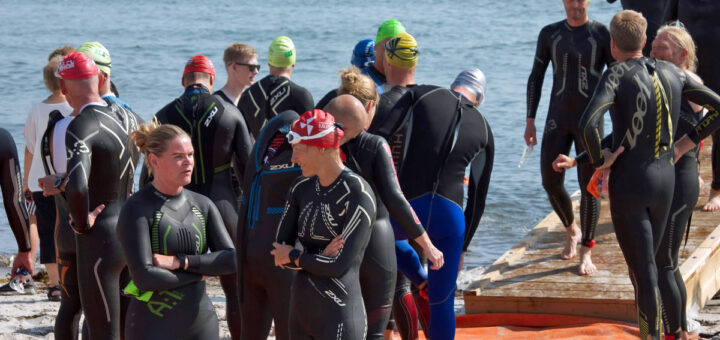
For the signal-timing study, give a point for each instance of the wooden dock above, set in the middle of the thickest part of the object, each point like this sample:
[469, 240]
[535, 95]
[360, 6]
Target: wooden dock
[532, 278]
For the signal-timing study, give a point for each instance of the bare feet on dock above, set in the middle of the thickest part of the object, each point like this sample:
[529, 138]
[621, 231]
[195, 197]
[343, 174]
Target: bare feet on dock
[571, 240]
[713, 203]
[586, 266]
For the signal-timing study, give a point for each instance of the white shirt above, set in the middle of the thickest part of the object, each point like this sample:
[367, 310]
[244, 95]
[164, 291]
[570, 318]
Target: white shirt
[59, 152]
[35, 125]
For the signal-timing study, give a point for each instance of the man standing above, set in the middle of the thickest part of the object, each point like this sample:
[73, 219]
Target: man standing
[241, 65]
[653, 11]
[219, 137]
[101, 57]
[579, 49]
[99, 180]
[276, 92]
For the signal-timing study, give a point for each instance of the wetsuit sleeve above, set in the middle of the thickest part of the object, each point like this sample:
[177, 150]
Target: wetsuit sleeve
[480, 170]
[391, 194]
[700, 94]
[583, 158]
[537, 75]
[592, 119]
[221, 260]
[356, 233]
[243, 146]
[79, 145]
[671, 11]
[11, 193]
[326, 99]
[305, 101]
[287, 227]
[133, 231]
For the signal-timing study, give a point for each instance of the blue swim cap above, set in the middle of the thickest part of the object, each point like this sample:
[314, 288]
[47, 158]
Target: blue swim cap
[363, 54]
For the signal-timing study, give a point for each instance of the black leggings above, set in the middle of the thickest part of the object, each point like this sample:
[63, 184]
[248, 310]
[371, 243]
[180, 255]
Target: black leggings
[672, 286]
[558, 140]
[640, 198]
[715, 185]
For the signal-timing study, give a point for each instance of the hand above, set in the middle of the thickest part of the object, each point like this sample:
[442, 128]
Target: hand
[563, 162]
[334, 247]
[23, 260]
[168, 262]
[681, 146]
[27, 193]
[610, 157]
[91, 217]
[47, 184]
[530, 133]
[435, 256]
[281, 253]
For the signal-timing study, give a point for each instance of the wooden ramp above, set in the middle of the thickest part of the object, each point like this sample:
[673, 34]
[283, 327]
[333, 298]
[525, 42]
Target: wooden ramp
[532, 278]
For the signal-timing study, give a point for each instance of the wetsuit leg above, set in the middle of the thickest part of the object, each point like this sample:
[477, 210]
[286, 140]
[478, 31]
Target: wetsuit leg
[68, 316]
[715, 184]
[589, 205]
[100, 263]
[672, 286]
[404, 311]
[229, 282]
[556, 141]
[255, 311]
[377, 278]
[279, 287]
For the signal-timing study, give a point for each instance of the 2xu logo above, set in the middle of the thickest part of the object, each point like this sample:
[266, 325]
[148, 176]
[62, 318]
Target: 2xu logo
[282, 166]
[332, 296]
[212, 114]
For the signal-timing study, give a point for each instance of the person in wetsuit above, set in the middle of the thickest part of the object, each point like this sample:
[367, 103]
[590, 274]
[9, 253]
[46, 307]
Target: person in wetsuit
[654, 13]
[101, 57]
[363, 57]
[166, 231]
[264, 288]
[242, 66]
[701, 19]
[644, 98]
[219, 135]
[369, 156]
[326, 202]
[11, 184]
[276, 92]
[579, 49]
[100, 170]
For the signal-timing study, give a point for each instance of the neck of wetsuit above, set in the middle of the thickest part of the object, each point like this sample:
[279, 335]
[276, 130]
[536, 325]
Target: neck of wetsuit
[194, 89]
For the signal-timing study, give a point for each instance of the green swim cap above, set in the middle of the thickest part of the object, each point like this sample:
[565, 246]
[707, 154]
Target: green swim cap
[389, 29]
[281, 52]
[99, 54]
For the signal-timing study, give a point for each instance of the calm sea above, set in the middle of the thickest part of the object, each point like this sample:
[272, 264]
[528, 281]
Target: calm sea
[150, 41]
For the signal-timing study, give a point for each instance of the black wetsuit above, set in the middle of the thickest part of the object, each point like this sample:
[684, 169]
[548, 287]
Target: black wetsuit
[268, 97]
[188, 224]
[100, 170]
[654, 13]
[385, 104]
[265, 288]
[369, 156]
[11, 184]
[644, 98]
[326, 300]
[219, 137]
[700, 17]
[578, 56]
[68, 316]
[435, 134]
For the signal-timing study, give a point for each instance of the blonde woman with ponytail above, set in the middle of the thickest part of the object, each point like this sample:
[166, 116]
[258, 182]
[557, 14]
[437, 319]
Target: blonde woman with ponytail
[166, 232]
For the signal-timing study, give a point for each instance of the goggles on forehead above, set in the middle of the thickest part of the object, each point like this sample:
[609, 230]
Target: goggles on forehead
[294, 137]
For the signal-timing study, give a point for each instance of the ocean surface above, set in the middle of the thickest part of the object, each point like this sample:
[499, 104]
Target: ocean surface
[150, 41]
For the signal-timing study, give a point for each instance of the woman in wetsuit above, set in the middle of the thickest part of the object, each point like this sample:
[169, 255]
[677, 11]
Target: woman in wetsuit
[674, 44]
[327, 201]
[165, 232]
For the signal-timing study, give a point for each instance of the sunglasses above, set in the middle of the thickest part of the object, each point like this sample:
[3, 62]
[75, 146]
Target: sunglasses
[251, 67]
[294, 137]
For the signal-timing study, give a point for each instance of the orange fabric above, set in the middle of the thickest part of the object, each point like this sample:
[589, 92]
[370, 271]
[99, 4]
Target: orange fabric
[539, 326]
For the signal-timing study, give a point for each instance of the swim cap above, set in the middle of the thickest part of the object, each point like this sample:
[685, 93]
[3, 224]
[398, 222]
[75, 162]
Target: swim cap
[363, 54]
[76, 65]
[474, 80]
[389, 29]
[316, 128]
[281, 52]
[199, 63]
[402, 51]
[99, 54]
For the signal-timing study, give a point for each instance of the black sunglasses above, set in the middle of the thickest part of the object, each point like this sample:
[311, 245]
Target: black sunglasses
[251, 67]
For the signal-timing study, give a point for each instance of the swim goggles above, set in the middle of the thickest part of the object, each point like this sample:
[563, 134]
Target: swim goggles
[294, 137]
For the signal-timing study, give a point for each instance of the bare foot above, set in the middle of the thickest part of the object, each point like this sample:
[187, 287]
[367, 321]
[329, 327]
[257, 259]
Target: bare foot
[713, 203]
[586, 265]
[571, 240]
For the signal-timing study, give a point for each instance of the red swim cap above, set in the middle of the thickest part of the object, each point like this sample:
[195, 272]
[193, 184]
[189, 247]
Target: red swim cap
[76, 65]
[316, 128]
[199, 63]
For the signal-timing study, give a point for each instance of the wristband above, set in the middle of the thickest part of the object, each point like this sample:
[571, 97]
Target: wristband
[293, 256]
[183, 261]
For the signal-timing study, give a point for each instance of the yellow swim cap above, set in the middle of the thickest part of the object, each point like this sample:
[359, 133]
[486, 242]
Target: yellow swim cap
[99, 54]
[402, 51]
[281, 52]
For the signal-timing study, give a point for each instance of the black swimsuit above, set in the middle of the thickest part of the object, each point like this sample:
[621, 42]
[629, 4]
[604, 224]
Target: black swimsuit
[188, 224]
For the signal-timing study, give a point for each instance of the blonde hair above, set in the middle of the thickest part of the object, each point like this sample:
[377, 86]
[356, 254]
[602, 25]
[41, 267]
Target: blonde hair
[152, 137]
[360, 86]
[627, 28]
[682, 39]
[237, 52]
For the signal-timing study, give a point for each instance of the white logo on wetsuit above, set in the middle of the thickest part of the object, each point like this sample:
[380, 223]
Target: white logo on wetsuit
[636, 124]
[80, 147]
[278, 94]
[212, 114]
[282, 166]
[197, 244]
[337, 300]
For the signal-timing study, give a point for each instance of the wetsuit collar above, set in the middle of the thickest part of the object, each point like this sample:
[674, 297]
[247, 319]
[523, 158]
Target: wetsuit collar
[194, 89]
[109, 94]
[93, 103]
